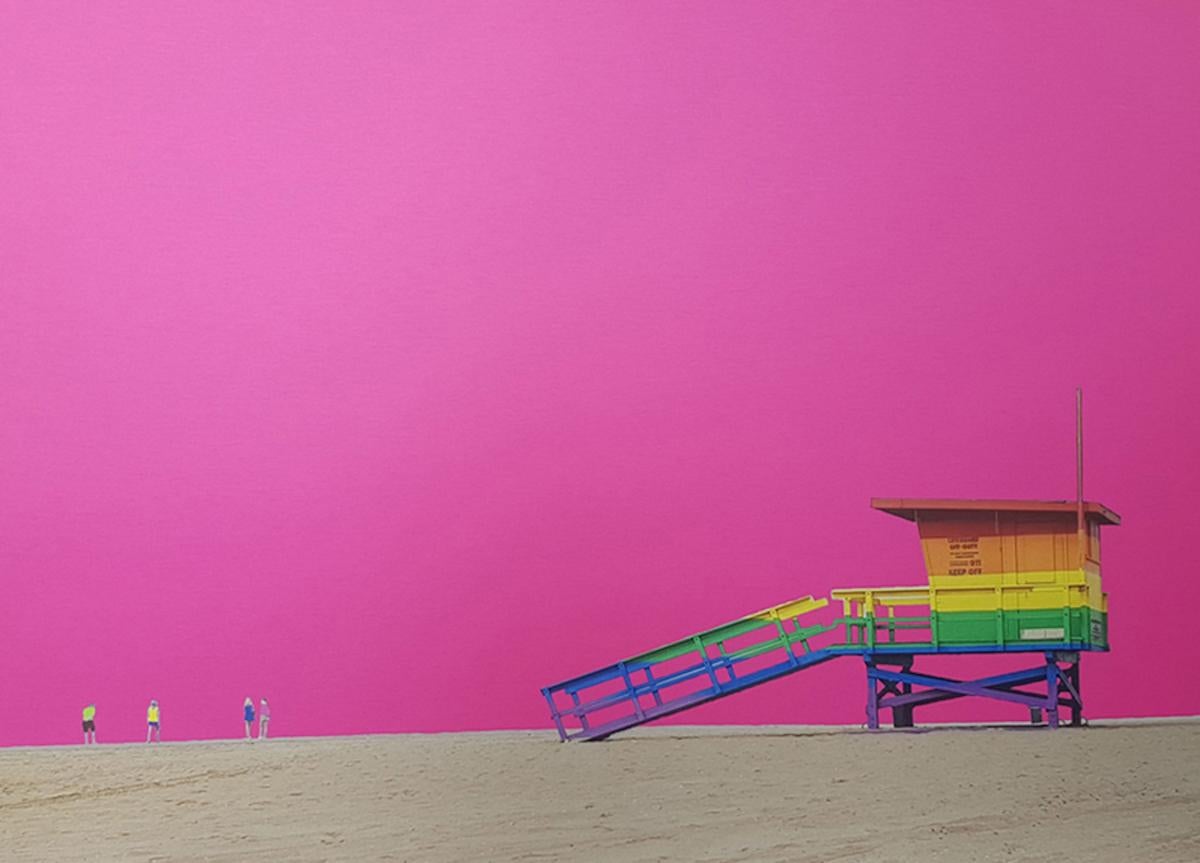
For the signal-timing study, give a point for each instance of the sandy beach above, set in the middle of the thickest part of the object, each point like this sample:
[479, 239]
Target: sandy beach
[1104, 793]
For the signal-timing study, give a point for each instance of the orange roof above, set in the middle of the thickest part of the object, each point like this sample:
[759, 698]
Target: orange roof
[907, 507]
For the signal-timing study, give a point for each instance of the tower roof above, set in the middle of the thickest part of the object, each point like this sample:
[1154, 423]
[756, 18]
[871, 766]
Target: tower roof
[908, 508]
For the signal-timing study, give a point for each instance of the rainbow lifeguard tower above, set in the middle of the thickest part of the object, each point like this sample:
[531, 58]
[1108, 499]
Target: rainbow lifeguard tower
[1004, 577]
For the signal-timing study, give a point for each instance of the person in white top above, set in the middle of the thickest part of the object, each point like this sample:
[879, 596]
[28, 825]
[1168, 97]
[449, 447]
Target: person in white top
[264, 718]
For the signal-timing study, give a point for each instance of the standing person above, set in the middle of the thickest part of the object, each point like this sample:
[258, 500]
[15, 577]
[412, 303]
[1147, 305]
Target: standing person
[153, 723]
[89, 723]
[264, 718]
[248, 715]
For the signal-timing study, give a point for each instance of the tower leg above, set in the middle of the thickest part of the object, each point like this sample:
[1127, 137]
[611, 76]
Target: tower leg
[1052, 672]
[882, 684]
[1077, 701]
[902, 717]
[872, 697]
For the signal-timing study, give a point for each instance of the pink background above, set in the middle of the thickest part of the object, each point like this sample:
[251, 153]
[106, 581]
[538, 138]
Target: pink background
[394, 361]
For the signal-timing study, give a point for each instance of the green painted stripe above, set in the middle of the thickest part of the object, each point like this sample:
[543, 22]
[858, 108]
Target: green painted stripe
[667, 651]
[1084, 625]
[707, 637]
[954, 629]
[732, 630]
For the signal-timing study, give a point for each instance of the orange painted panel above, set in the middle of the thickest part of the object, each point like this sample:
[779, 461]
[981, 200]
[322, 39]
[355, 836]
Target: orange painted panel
[1020, 548]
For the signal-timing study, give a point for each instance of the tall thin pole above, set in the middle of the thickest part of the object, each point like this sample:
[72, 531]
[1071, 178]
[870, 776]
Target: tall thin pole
[1080, 525]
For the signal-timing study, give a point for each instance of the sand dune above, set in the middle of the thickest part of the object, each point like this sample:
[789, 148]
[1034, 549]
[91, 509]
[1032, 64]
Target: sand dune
[1128, 794]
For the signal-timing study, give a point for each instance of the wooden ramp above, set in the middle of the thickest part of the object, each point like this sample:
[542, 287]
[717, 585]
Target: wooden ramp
[712, 664]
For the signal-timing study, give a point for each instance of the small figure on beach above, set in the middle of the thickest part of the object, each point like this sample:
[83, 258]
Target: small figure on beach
[89, 724]
[264, 718]
[248, 715]
[153, 726]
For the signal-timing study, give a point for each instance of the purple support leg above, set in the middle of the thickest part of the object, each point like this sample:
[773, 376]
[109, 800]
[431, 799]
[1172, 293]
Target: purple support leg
[1051, 692]
[872, 698]
[555, 715]
[1077, 694]
[1068, 684]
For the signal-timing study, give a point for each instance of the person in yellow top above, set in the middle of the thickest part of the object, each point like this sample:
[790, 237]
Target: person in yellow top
[152, 722]
[89, 724]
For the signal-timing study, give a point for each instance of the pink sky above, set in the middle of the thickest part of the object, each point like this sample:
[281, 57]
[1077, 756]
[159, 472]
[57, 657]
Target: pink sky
[393, 361]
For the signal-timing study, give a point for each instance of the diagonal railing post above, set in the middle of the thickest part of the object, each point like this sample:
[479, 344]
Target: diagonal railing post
[653, 687]
[786, 639]
[581, 716]
[708, 666]
[633, 696]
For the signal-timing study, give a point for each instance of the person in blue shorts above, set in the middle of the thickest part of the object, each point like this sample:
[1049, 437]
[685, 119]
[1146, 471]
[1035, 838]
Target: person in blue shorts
[248, 715]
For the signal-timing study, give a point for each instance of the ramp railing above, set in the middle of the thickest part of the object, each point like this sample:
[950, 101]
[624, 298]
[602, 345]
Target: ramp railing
[684, 673]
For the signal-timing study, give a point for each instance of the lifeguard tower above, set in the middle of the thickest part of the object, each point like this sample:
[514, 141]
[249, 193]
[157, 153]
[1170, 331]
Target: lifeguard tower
[1004, 577]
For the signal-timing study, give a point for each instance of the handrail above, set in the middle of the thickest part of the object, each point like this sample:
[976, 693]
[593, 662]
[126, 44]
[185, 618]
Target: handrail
[868, 597]
[789, 610]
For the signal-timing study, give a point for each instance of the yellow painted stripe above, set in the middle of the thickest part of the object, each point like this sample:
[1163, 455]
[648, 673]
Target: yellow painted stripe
[799, 607]
[1015, 598]
[973, 597]
[792, 608]
[1047, 576]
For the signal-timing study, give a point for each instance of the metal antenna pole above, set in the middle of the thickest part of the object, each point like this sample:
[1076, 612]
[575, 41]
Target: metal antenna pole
[1081, 525]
